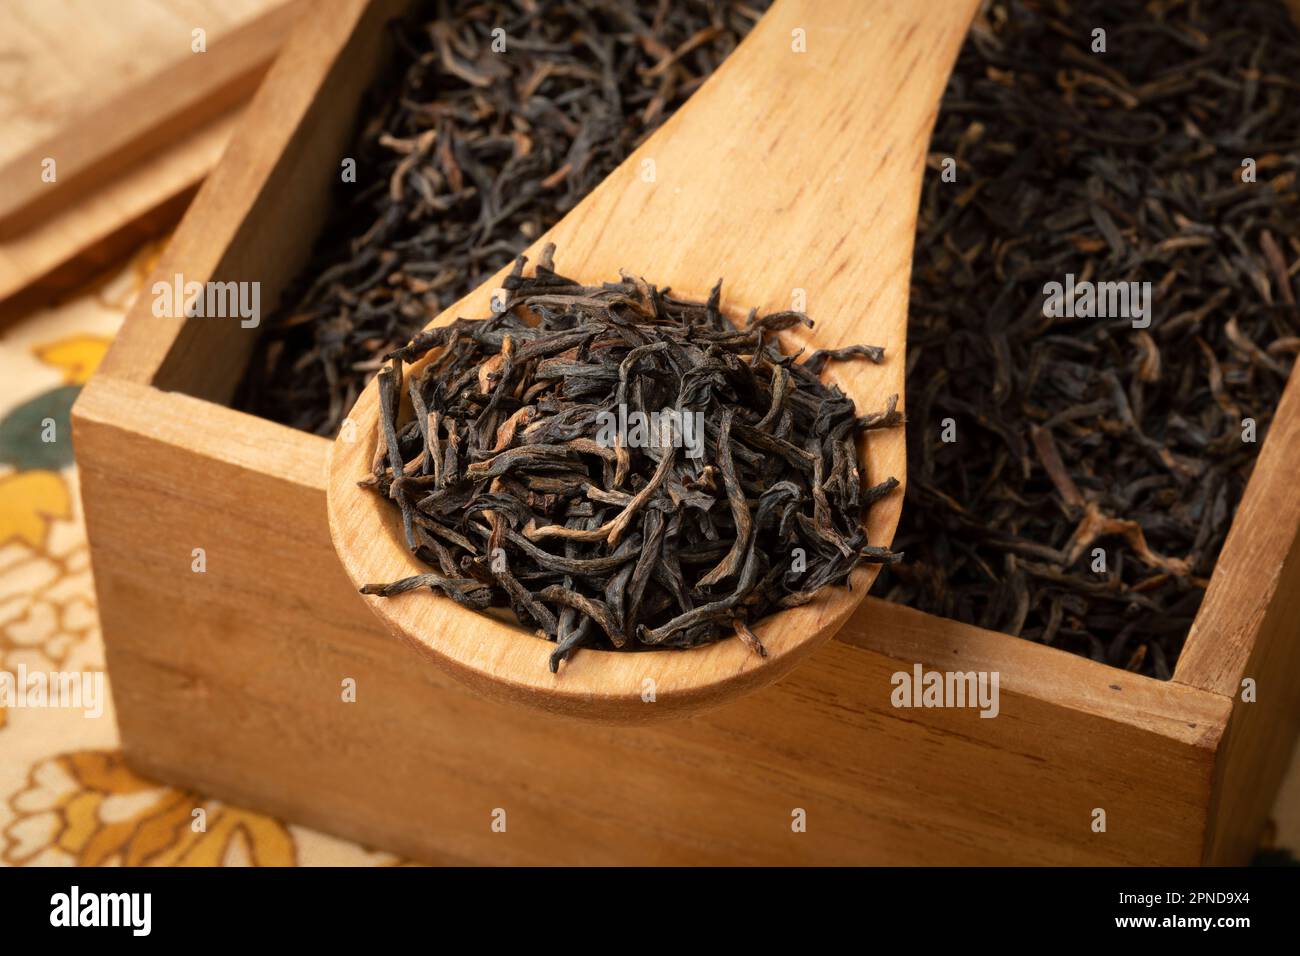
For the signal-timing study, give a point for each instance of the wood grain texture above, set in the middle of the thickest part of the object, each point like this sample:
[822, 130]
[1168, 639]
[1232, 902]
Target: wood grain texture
[69, 65]
[137, 122]
[69, 249]
[230, 681]
[787, 170]
[59, 56]
[1251, 573]
[1249, 628]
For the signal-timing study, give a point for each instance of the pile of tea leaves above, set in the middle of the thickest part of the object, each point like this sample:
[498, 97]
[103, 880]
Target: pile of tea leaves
[469, 155]
[631, 471]
[1086, 433]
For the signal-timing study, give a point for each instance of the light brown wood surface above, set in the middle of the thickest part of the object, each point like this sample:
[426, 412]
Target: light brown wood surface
[146, 118]
[230, 680]
[57, 57]
[1248, 630]
[71, 67]
[787, 170]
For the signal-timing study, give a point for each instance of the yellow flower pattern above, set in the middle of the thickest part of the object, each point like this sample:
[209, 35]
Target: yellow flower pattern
[29, 501]
[89, 809]
[76, 355]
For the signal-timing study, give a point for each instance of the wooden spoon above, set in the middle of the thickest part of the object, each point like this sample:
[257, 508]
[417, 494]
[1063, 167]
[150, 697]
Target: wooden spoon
[797, 166]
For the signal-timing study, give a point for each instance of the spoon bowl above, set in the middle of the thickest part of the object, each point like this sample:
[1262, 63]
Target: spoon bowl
[793, 174]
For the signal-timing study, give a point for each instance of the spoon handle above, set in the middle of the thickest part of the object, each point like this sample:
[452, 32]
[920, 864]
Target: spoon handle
[798, 165]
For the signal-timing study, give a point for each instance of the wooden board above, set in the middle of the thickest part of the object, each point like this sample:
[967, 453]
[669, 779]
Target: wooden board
[1248, 629]
[165, 116]
[59, 56]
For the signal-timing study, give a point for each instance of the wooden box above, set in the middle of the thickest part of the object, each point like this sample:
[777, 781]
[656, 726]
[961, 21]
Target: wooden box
[229, 681]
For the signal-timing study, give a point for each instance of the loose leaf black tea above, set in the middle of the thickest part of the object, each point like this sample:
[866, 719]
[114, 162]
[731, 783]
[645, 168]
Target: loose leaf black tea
[627, 471]
[1076, 434]
[473, 154]
[1169, 157]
